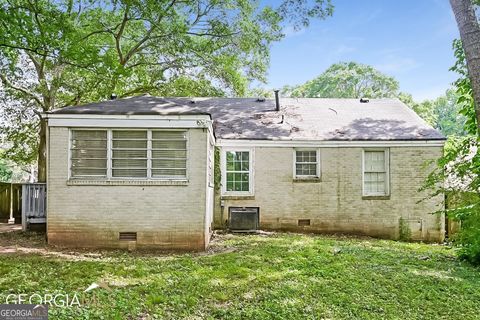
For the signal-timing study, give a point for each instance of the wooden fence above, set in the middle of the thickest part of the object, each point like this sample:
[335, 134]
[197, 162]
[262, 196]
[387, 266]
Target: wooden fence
[10, 201]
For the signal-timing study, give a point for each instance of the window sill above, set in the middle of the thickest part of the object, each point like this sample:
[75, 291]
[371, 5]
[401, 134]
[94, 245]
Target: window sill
[74, 182]
[376, 197]
[238, 197]
[307, 180]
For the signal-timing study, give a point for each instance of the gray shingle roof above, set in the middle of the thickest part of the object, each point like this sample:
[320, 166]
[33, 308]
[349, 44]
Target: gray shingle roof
[298, 119]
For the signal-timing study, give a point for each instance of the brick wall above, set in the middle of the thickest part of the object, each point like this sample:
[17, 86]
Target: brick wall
[170, 217]
[335, 203]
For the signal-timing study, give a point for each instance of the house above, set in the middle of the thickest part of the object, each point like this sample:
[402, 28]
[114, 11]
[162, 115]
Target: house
[164, 172]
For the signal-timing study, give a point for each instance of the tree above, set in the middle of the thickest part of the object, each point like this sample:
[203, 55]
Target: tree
[347, 80]
[458, 172]
[59, 53]
[5, 171]
[468, 25]
[442, 113]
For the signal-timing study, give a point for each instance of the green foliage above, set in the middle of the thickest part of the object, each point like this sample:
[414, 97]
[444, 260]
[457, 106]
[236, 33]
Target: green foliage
[68, 52]
[443, 113]
[405, 231]
[347, 80]
[5, 171]
[460, 168]
[279, 276]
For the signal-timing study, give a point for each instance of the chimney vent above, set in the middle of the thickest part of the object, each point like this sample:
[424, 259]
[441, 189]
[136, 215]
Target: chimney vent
[277, 100]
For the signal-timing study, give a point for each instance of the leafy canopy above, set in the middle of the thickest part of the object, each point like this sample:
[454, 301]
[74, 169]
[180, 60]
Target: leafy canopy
[56, 53]
[458, 171]
[347, 80]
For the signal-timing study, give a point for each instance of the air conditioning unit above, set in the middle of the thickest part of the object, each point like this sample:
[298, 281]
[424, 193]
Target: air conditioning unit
[243, 219]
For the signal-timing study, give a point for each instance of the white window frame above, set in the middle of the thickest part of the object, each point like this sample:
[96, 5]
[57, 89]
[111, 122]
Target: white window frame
[109, 176]
[223, 165]
[295, 176]
[387, 173]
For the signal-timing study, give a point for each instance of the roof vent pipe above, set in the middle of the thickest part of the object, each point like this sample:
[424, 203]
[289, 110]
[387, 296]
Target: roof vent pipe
[277, 100]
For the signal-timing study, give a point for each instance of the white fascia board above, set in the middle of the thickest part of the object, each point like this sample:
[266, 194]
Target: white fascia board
[327, 144]
[130, 121]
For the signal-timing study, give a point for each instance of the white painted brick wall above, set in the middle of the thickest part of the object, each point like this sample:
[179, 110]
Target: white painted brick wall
[170, 217]
[335, 203]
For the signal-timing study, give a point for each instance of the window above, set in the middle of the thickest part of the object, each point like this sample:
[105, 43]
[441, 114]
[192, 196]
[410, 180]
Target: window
[129, 154]
[375, 172]
[169, 154]
[307, 164]
[88, 154]
[137, 154]
[238, 174]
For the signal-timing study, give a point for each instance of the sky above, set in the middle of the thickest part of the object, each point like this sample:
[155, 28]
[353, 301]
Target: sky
[410, 40]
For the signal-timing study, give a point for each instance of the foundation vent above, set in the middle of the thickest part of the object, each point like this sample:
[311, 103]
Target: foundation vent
[303, 222]
[243, 219]
[127, 236]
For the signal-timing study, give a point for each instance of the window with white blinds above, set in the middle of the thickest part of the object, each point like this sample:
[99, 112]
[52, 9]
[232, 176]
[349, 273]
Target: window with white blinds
[129, 153]
[169, 154]
[88, 154]
[132, 154]
[375, 172]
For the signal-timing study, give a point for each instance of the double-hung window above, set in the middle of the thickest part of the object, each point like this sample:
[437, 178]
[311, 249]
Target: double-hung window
[237, 175]
[128, 154]
[307, 163]
[375, 172]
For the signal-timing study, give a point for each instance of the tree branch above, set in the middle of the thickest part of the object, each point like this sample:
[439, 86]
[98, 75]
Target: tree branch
[20, 89]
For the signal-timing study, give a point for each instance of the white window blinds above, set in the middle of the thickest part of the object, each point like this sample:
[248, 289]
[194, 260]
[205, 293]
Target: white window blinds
[88, 154]
[140, 154]
[129, 154]
[169, 154]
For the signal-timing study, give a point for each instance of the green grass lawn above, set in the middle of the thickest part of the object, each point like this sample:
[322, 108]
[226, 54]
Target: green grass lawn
[278, 276]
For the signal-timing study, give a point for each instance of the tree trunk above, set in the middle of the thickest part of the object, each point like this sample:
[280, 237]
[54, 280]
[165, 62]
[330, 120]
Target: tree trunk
[42, 152]
[470, 34]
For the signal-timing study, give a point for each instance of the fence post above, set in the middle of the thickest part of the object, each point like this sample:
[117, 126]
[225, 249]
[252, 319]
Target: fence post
[24, 207]
[11, 220]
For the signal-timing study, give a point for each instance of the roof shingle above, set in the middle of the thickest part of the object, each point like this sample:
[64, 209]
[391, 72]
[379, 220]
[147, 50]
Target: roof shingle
[298, 119]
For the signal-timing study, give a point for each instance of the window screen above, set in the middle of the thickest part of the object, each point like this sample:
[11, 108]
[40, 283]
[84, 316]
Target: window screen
[129, 153]
[306, 163]
[238, 171]
[88, 154]
[116, 153]
[375, 172]
[169, 154]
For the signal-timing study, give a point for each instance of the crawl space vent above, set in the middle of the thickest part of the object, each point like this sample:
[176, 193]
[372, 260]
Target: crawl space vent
[243, 219]
[303, 222]
[127, 236]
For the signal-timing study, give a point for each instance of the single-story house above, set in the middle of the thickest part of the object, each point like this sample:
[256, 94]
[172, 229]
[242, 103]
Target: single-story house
[164, 172]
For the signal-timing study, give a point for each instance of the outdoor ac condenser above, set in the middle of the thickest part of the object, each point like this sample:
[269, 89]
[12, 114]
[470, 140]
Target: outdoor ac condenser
[243, 219]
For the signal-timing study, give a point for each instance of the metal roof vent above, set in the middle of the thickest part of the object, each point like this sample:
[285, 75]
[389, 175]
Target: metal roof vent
[364, 100]
[277, 100]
